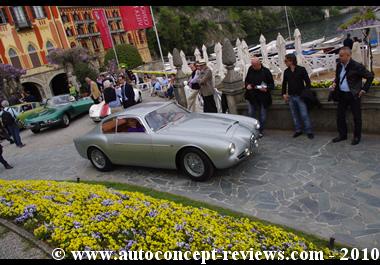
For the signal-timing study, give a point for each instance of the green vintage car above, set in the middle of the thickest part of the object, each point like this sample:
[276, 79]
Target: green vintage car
[58, 110]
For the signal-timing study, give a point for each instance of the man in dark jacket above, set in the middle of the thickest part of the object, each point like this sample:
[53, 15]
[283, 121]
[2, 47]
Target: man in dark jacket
[348, 83]
[295, 81]
[258, 84]
[348, 42]
[127, 93]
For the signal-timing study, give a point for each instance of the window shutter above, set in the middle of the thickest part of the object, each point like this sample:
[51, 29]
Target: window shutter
[43, 8]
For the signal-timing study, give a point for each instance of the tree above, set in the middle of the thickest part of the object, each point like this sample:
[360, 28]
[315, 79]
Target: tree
[68, 56]
[10, 78]
[126, 53]
[83, 70]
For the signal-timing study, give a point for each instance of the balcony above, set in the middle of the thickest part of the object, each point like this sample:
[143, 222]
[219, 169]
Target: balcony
[117, 31]
[84, 21]
[114, 18]
[87, 35]
[25, 24]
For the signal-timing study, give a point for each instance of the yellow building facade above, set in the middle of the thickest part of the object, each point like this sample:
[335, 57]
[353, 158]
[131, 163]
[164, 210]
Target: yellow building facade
[81, 30]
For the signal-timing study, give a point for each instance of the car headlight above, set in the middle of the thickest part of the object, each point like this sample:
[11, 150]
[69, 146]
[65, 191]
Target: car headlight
[232, 148]
[257, 126]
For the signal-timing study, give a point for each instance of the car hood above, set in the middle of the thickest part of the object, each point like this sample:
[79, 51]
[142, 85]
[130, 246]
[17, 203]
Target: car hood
[202, 124]
[41, 114]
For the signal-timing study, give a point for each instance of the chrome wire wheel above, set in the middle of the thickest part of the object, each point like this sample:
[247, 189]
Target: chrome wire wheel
[194, 164]
[98, 159]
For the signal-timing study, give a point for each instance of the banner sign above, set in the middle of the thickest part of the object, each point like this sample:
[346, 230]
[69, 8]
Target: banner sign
[136, 17]
[101, 24]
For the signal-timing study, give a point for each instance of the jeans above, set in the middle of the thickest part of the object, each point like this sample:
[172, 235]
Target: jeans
[263, 113]
[15, 132]
[299, 111]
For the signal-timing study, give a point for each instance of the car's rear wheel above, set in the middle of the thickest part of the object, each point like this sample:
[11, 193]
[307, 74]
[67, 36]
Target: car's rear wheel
[196, 164]
[99, 160]
[36, 129]
[65, 120]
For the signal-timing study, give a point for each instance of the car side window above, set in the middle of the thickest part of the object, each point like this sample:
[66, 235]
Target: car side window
[128, 125]
[109, 126]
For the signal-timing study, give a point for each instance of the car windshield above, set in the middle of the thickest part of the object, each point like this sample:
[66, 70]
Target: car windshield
[162, 117]
[58, 100]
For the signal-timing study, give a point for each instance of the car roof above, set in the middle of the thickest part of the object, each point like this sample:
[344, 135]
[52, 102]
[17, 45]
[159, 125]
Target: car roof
[140, 110]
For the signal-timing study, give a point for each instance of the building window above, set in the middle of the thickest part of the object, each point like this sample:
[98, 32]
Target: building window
[87, 16]
[114, 40]
[34, 56]
[15, 60]
[49, 47]
[141, 37]
[76, 17]
[69, 33]
[84, 44]
[95, 44]
[64, 17]
[80, 30]
[130, 40]
[38, 12]
[20, 17]
[3, 17]
[122, 39]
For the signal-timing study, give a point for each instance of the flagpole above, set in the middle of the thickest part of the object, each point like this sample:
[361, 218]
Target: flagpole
[158, 40]
[113, 45]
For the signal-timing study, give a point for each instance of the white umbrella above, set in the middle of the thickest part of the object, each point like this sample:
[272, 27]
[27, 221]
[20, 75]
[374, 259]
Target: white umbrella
[197, 55]
[297, 46]
[246, 56]
[264, 52]
[281, 49]
[204, 51]
[219, 62]
[185, 67]
[170, 57]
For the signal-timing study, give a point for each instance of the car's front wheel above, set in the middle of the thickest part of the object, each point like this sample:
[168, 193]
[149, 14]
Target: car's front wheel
[36, 129]
[99, 160]
[196, 164]
[65, 120]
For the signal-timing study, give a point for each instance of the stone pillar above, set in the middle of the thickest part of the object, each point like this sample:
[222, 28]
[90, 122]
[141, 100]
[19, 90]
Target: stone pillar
[232, 85]
[179, 91]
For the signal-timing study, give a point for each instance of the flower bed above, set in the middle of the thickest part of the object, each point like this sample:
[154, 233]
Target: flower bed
[92, 217]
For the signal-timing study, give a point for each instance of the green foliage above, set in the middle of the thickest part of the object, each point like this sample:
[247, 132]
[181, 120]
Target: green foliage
[127, 55]
[82, 70]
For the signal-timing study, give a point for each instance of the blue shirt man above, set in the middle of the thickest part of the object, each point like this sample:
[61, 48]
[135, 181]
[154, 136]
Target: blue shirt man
[343, 84]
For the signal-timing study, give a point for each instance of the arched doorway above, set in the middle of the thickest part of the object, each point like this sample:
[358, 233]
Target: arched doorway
[59, 85]
[33, 89]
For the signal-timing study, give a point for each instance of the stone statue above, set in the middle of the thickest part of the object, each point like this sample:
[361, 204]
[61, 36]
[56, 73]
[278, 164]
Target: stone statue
[204, 51]
[170, 58]
[232, 84]
[185, 67]
[197, 55]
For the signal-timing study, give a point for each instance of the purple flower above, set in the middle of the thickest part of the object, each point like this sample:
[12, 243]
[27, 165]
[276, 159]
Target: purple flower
[107, 202]
[129, 244]
[29, 211]
[93, 196]
[96, 235]
[49, 197]
[147, 203]
[178, 227]
[77, 224]
[152, 213]
[69, 214]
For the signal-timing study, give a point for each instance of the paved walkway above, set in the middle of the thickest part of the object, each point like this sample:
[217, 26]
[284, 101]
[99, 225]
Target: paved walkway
[13, 246]
[312, 185]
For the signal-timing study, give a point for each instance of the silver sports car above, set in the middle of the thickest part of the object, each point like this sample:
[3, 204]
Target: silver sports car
[166, 135]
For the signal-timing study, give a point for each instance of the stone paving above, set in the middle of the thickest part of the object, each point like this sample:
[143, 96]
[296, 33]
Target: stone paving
[311, 185]
[13, 246]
